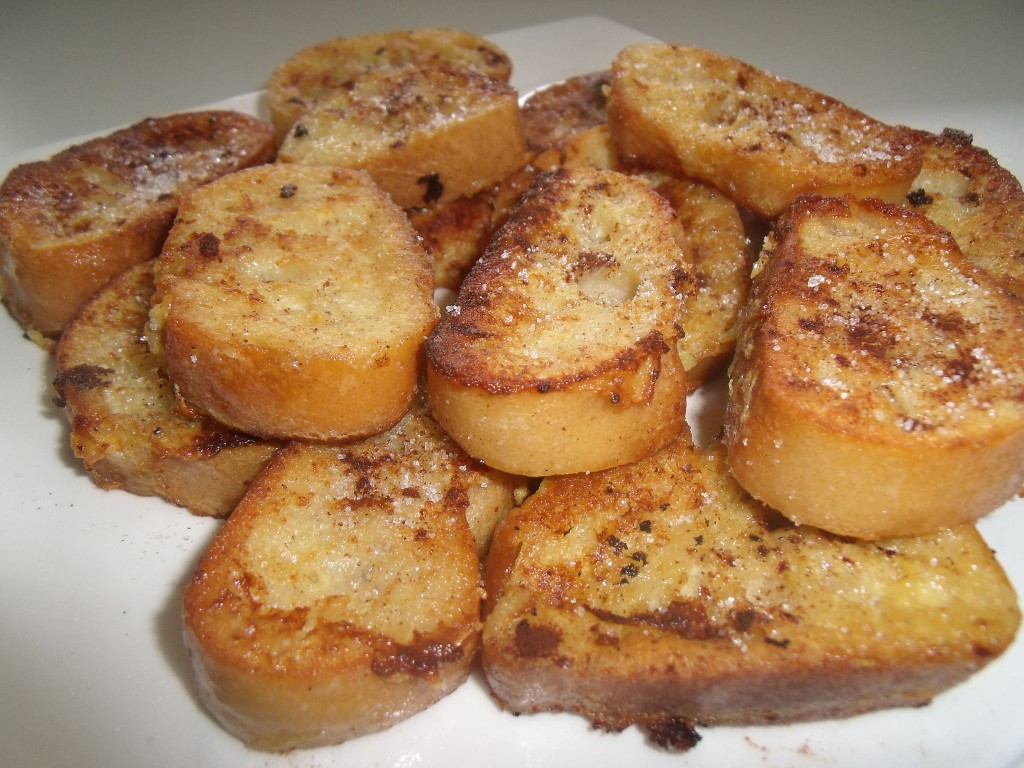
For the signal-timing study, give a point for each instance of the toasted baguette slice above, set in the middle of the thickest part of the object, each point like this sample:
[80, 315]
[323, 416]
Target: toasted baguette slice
[878, 385]
[423, 134]
[660, 594]
[293, 302]
[322, 69]
[124, 426]
[342, 595]
[559, 353]
[761, 139]
[71, 223]
[563, 109]
[963, 188]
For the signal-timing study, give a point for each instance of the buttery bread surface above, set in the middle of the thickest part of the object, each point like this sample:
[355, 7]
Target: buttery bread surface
[878, 383]
[660, 594]
[271, 295]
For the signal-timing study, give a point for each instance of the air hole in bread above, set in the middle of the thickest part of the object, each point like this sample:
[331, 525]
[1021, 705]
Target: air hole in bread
[609, 286]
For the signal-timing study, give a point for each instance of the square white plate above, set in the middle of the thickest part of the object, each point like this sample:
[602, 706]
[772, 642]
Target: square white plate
[92, 667]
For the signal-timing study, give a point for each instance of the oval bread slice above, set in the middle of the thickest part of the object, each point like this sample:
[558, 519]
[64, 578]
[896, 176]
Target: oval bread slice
[559, 352]
[120, 405]
[324, 68]
[71, 223]
[425, 135]
[761, 139]
[292, 302]
[343, 594]
[878, 383]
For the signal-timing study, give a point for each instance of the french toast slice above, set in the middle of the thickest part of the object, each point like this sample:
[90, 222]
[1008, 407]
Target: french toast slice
[71, 223]
[963, 188]
[878, 383]
[343, 594]
[271, 297]
[121, 409]
[558, 354]
[425, 135]
[322, 69]
[563, 109]
[761, 139]
[659, 594]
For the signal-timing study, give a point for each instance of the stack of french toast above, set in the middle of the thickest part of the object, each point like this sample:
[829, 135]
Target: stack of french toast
[428, 348]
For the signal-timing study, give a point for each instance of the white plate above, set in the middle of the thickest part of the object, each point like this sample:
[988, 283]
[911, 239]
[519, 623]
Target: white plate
[92, 668]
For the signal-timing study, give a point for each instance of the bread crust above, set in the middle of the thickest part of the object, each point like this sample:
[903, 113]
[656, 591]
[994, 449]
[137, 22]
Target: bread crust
[761, 139]
[563, 333]
[121, 410]
[660, 594]
[878, 386]
[343, 593]
[324, 68]
[71, 223]
[269, 292]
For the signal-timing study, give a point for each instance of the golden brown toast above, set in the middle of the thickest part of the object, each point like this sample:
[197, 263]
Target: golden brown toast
[963, 188]
[343, 594]
[71, 223]
[322, 69]
[563, 109]
[270, 295]
[761, 139]
[559, 352]
[878, 383]
[660, 594]
[425, 135]
[124, 426]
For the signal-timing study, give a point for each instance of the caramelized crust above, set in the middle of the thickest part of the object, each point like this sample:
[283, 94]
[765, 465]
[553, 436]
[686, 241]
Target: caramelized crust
[660, 594]
[343, 594]
[563, 109]
[963, 188]
[124, 426]
[878, 386]
[761, 139]
[269, 296]
[425, 135]
[323, 69]
[71, 223]
[559, 353]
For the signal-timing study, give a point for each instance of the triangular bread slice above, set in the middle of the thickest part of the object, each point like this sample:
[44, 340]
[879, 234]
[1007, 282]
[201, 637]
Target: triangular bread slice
[425, 134]
[292, 302]
[559, 352]
[343, 594]
[322, 69]
[71, 223]
[878, 383]
[963, 188]
[660, 594]
[124, 424]
[761, 139]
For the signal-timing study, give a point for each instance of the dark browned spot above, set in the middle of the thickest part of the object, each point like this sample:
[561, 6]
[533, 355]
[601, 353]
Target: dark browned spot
[209, 245]
[673, 733]
[536, 641]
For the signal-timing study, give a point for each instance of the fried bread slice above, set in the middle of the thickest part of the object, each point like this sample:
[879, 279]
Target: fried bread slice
[559, 352]
[120, 406]
[761, 139]
[425, 135]
[343, 594]
[878, 383]
[963, 188]
[71, 223]
[563, 109]
[660, 594]
[270, 294]
[322, 69]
